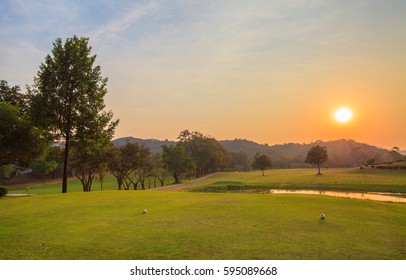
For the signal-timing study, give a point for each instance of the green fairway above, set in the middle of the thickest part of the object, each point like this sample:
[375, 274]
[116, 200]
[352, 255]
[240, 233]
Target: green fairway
[190, 225]
[358, 180]
[346, 179]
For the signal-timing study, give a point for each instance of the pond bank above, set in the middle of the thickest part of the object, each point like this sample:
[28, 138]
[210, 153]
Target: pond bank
[377, 196]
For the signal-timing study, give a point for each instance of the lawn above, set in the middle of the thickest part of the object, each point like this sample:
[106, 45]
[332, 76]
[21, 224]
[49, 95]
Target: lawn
[358, 180]
[74, 185]
[192, 225]
[345, 179]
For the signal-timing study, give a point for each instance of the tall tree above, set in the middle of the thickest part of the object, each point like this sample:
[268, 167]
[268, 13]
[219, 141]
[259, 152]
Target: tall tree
[317, 155]
[261, 162]
[68, 93]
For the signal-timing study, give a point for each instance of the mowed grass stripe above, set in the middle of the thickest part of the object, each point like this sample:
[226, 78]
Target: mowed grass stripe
[183, 225]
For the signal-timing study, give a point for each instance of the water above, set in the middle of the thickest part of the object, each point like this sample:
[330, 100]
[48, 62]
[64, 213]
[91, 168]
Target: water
[388, 197]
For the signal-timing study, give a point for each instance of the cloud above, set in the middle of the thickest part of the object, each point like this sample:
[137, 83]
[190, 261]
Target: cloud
[118, 25]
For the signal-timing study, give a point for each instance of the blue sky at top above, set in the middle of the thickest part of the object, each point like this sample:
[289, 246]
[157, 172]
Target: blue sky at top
[166, 60]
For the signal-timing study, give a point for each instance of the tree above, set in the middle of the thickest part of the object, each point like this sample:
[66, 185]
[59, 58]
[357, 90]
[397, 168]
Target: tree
[143, 167]
[68, 93]
[124, 160]
[44, 164]
[20, 142]
[158, 169]
[240, 161]
[12, 95]
[317, 155]
[207, 153]
[89, 157]
[90, 148]
[395, 155]
[261, 162]
[177, 161]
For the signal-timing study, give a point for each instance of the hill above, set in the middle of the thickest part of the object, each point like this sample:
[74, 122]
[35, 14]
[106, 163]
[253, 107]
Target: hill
[153, 144]
[342, 153]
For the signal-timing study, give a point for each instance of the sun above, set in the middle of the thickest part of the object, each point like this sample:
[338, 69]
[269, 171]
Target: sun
[343, 115]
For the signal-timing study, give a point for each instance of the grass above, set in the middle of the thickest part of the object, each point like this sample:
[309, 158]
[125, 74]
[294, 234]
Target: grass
[211, 221]
[190, 225]
[358, 180]
[74, 185]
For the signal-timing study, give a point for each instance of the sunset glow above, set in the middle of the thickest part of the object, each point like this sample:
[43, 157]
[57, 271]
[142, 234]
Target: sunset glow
[268, 71]
[343, 115]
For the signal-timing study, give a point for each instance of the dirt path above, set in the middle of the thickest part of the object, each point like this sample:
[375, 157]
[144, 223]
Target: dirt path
[180, 187]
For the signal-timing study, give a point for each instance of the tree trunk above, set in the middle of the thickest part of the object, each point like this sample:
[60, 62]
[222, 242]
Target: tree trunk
[65, 165]
[318, 167]
[175, 176]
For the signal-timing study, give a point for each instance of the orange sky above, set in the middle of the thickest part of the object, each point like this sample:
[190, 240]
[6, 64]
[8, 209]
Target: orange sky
[269, 71]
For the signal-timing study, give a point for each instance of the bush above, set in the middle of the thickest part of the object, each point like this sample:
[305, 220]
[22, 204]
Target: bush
[3, 191]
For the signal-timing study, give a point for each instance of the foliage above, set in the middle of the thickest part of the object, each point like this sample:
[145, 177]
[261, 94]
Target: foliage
[341, 153]
[126, 159]
[46, 163]
[87, 158]
[317, 155]
[3, 191]
[20, 142]
[143, 169]
[67, 98]
[207, 153]
[177, 161]
[261, 162]
[91, 146]
[239, 161]
[13, 96]
[158, 169]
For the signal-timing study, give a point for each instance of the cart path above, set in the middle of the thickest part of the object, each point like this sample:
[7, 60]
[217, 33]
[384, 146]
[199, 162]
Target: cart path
[180, 187]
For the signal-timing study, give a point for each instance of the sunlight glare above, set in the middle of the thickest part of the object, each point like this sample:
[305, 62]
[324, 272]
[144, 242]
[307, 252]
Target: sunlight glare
[343, 115]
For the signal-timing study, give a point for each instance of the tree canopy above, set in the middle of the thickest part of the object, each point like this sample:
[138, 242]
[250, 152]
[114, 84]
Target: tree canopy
[207, 153]
[67, 97]
[177, 161]
[317, 155]
[261, 162]
[20, 142]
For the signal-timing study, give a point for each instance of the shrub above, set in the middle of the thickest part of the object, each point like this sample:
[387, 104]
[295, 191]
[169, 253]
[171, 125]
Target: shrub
[3, 191]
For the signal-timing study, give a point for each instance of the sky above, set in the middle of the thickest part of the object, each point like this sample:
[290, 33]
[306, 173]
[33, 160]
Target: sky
[268, 71]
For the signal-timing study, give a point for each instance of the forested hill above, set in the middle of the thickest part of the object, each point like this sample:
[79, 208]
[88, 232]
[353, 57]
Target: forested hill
[153, 144]
[341, 153]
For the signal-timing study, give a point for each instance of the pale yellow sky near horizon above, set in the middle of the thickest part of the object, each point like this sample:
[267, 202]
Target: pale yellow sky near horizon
[268, 71]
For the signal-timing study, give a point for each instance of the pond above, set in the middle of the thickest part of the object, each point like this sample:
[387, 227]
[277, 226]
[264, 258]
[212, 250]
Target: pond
[388, 197]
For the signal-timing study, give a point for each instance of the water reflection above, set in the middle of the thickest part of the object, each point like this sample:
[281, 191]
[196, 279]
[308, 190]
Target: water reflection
[388, 197]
